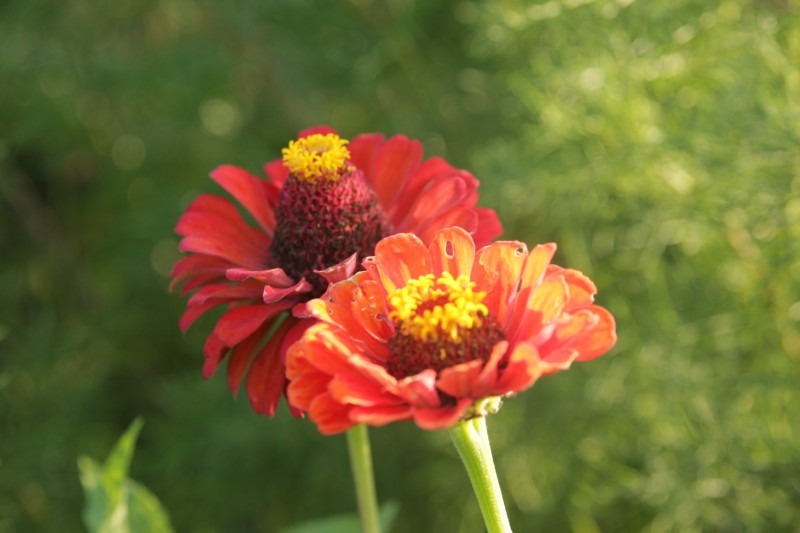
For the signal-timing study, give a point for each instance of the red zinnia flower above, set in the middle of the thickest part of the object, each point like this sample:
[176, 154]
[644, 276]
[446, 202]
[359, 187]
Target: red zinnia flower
[427, 331]
[322, 210]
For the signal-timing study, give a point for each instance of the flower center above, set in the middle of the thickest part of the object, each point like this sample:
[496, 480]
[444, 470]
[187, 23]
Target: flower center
[326, 212]
[317, 157]
[439, 322]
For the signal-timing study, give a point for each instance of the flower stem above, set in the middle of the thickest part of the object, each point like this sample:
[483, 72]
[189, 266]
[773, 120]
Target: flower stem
[472, 442]
[361, 463]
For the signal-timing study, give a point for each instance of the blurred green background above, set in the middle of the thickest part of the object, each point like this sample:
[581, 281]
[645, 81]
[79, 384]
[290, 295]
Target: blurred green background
[658, 142]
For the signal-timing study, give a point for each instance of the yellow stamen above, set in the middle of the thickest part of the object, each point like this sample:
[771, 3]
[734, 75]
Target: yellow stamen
[456, 307]
[317, 156]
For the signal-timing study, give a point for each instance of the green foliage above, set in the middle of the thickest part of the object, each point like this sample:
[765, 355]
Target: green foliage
[114, 503]
[348, 523]
[654, 141]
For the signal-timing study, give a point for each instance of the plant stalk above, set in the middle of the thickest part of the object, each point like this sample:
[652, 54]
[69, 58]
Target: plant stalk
[361, 464]
[472, 442]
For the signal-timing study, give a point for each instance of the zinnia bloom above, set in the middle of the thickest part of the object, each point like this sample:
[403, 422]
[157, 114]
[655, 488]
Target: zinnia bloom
[427, 331]
[322, 209]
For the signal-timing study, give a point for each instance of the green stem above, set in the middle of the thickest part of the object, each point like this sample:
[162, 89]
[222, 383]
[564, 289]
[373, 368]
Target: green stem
[472, 442]
[361, 463]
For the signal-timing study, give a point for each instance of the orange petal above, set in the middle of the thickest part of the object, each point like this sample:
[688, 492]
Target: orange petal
[549, 298]
[600, 338]
[452, 250]
[496, 271]
[458, 380]
[419, 390]
[307, 386]
[530, 277]
[522, 370]
[380, 415]
[581, 289]
[442, 417]
[353, 389]
[330, 416]
[399, 258]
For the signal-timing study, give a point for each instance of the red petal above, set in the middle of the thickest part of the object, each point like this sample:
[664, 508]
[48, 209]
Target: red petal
[193, 313]
[463, 217]
[294, 332]
[266, 377]
[214, 350]
[317, 130]
[250, 191]
[364, 151]
[397, 158]
[212, 218]
[242, 355]
[224, 293]
[429, 171]
[278, 174]
[489, 226]
[440, 196]
[238, 323]
[197, 265]
[452, 250]
[442, 417]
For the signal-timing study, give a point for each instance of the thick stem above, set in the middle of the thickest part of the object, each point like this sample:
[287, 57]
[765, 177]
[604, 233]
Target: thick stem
[472, 442]
[361, 463]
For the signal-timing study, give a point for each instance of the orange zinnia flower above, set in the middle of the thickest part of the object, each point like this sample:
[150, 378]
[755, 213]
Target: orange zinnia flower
[427, 331]
[324, 207]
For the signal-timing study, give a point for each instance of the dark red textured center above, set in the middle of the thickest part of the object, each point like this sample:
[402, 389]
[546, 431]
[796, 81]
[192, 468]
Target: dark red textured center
[321, 223]
[409, 356]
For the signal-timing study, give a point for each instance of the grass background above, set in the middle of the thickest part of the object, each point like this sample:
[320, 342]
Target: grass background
[658, 142]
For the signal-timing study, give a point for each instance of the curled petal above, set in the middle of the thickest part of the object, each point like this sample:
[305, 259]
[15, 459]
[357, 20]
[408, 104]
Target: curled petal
[340, 271]
[271, 276]
[272, 295]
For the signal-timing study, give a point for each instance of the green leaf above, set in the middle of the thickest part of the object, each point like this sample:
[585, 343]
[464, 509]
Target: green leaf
[115, 503]
[346, 523]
